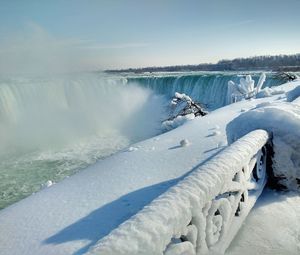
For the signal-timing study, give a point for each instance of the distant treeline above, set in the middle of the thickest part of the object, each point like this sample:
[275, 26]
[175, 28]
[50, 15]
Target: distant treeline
[268, 63]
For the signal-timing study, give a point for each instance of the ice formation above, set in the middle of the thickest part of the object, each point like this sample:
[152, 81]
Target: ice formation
[202, 87]
[246, 88]
[282, 120]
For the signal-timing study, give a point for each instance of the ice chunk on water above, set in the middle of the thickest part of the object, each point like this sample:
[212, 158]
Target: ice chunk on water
[48, 184]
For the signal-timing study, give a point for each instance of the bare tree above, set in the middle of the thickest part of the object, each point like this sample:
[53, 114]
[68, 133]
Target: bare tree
[286, 76]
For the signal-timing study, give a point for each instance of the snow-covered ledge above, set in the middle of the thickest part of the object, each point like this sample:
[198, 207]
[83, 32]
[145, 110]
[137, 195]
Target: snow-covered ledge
[203, 212]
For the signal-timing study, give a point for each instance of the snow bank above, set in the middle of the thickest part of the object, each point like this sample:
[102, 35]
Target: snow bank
[293, 94]
[283, 121]
[268, 92]
[271, 228]
[201, 210]
[178, 121]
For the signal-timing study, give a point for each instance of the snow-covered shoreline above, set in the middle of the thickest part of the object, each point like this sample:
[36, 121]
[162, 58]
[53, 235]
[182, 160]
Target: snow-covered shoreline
[73, 215]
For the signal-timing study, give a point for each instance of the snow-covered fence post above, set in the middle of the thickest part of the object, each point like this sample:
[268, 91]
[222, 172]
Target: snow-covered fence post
[203, 212]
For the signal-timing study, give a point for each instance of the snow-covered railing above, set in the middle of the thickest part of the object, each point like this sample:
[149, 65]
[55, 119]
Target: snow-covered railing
[203, 212]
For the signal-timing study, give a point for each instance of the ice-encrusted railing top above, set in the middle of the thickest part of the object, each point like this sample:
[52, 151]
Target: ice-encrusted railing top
[203, 212]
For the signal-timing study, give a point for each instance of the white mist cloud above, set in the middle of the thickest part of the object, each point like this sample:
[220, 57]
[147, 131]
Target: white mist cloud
[36, 51]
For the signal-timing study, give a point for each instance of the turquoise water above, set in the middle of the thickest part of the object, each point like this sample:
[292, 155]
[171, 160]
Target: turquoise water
[208, 88]
[52, 127]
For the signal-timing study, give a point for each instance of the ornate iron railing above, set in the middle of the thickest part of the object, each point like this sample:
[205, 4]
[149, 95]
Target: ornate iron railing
[203, 212]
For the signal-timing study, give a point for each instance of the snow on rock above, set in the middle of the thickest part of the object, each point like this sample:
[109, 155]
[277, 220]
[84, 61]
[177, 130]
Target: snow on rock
[222, 144]
[181, 209]
[283, 121]
[178, 121]
[215, 133]
[181, 249]
[48, 184]
[182, 96]
[184, 143]
[268, 92]
[130, 149]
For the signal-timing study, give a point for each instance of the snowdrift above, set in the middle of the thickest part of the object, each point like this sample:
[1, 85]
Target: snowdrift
[282, 120]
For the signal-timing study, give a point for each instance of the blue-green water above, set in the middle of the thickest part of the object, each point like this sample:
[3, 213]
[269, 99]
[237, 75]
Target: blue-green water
[208, 88]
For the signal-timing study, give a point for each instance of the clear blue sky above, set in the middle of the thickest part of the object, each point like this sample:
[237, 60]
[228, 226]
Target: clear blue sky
[134, 33]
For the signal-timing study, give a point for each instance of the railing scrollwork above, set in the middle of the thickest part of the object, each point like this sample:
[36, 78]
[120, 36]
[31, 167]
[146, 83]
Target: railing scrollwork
[202, 213]
[217, 215]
